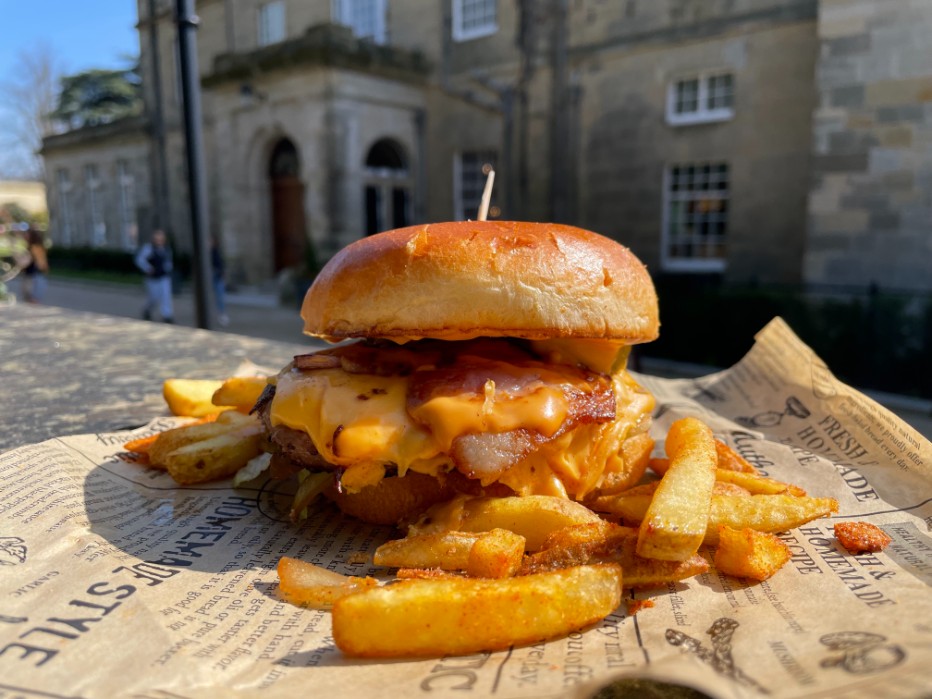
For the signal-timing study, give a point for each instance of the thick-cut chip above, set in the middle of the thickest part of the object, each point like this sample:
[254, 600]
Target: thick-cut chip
[861, 537]
[604, 502]
[215, 425]
[675, 523]
[442, 550]
[459, 616]
[747, 553]
[758, 485]
[730, 460]
[215, 458]
[310, 585]
[609, 543]
[140, 447]
[240, 391]
[534, 516]
[192, 397]
[727, 459]
[636, 451]
[768, 513]
[496, 554]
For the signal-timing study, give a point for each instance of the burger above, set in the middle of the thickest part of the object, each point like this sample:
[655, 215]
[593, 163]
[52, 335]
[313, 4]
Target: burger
[485, 358]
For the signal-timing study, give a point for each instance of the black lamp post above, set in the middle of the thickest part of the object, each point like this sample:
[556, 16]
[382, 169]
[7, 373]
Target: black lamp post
[191, 105]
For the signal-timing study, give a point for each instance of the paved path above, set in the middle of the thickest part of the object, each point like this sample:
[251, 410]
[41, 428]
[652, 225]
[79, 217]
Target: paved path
[252, 314]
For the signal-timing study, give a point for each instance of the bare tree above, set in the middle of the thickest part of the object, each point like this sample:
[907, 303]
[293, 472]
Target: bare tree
[30, 96]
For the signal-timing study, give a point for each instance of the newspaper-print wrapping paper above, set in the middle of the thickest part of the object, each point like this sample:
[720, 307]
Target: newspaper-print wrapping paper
[115, 581]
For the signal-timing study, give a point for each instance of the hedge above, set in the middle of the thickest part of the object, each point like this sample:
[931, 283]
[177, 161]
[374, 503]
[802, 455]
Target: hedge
[868, 337]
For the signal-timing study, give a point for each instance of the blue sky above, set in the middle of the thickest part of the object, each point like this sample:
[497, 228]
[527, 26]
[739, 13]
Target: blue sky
[80, 34]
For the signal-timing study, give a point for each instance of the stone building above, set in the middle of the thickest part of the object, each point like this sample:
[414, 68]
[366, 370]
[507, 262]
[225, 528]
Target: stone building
[759, 141]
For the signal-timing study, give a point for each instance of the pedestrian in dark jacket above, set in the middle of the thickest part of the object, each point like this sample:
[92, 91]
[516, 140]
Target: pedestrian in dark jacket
[154, 259]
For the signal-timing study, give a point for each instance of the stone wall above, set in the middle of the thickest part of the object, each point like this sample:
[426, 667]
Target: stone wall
[870, 207]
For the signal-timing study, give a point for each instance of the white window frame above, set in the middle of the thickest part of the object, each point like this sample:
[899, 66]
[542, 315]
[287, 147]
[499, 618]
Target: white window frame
[669, 262]
[66, 222]
[98, 227]
[271, 23]
[703, 114]
[461, 207]
[461, 33]
[344, 12]
[127, 188]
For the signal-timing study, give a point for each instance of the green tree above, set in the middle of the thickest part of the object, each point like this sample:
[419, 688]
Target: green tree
[98, 97]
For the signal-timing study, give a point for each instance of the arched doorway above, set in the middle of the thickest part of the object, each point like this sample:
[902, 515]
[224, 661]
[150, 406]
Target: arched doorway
[288, 227]
[387, 188]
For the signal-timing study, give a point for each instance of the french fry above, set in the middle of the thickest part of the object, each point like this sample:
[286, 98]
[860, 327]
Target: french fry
[534, 517]
[636, 452]
[676, 519]
[496, 554]
[240, 391]
[443, 550]
[861, 537]
[192, 397]
[747, 553]
[609, 543]
[727, 459]
[719, 488]
[459, 616]
[213, 426]
[142, 446]
[756, 484]
[310, 585]
[767, 513]
[730, 460]
[215, 458]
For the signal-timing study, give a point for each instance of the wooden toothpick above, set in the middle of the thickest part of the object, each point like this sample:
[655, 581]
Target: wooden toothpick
[486, 196]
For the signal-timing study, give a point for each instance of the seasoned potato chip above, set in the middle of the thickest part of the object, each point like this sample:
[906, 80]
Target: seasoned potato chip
[496, 554]
[458, 616]
[310, 585]
[676, 519]
[442, 550]
[240, 391]
[747, 553]
[534, 517]
[768, 513]
[609, 543]
[861, 537]
[192, 397]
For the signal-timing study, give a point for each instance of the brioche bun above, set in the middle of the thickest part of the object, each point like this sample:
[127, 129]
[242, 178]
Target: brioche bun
[461, 280]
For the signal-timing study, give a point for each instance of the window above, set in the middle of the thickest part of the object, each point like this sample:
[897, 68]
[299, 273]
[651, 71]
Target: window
[365, 17]
[470, 171]
[473, 19]
[387, 187]
[65, 223]
[127, 184]
[695, 217]
[701, 99]
[95, 218]
[271, 23]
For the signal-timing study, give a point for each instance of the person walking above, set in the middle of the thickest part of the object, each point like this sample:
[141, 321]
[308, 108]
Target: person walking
[154, 259]
[219, 279]
[35, 271]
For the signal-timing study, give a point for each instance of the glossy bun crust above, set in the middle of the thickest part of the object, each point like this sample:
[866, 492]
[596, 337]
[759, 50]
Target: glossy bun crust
[486, 278]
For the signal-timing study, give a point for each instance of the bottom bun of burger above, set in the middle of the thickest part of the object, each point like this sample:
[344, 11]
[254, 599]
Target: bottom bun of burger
[393, 500]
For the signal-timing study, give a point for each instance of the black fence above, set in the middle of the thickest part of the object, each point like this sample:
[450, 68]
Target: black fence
[870, 337]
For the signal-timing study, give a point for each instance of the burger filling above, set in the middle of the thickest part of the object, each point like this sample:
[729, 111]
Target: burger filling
[530, 416]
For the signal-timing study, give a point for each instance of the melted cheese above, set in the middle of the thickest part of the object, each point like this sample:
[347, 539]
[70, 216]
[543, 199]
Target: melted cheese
[361, 422]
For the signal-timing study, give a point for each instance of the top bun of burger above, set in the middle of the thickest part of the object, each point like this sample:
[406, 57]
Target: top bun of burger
[456, 281]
